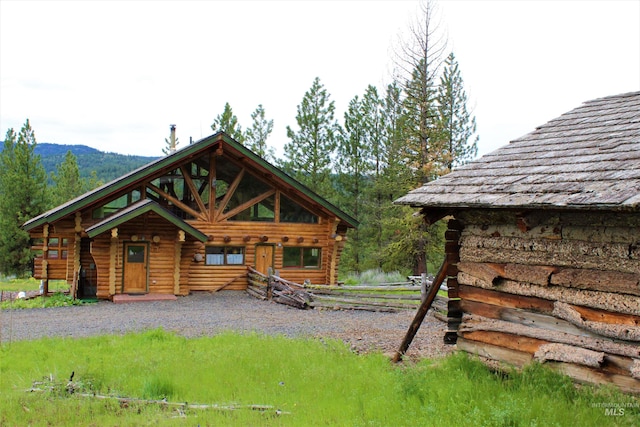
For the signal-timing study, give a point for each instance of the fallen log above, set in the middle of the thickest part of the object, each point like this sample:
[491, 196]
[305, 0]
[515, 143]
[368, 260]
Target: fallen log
[343, 306]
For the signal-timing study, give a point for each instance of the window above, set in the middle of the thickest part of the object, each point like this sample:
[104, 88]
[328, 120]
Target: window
[135, 254]
[58, 248]
[249, 188]
[224, 255]
[261, 211]
[296, 257]
[115, 205]
[290, 211]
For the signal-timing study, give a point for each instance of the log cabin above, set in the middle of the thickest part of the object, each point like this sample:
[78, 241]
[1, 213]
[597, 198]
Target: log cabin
[544, 238]
[191, 221]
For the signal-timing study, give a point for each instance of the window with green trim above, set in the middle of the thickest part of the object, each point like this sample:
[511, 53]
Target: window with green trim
[299, 257]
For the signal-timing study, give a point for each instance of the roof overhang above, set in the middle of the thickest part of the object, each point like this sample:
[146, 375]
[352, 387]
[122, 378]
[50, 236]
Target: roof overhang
[140, 208]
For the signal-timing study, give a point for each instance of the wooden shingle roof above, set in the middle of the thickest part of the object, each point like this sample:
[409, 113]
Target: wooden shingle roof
[588, 158]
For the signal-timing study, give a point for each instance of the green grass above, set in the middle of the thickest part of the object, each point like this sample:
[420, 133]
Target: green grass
[374, 277]
[55, 300]
[30, 284]
[313, 382]
[58, 299]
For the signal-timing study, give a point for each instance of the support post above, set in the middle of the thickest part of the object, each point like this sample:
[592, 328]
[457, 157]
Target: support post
[422, 311]
[269, 283]
[113, 256]
[45, 262]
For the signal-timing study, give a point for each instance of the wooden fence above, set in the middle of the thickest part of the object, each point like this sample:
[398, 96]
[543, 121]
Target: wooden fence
[386, 297]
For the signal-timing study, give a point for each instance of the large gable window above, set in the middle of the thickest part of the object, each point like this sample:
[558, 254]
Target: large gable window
[115, 205]
[249, 188]
[290, 211]
[262, 211]
[224, 255]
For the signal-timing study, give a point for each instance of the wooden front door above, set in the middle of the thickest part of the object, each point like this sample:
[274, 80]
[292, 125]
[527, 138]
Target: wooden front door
[264, 258]
[135, 268]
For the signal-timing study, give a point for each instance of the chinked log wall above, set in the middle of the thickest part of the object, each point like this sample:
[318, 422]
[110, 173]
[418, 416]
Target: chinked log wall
[561, 288]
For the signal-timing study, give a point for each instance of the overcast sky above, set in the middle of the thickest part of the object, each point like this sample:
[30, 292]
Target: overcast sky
[114, 75]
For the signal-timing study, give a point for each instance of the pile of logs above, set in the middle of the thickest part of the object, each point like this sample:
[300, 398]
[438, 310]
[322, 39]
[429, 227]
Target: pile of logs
[275, 288]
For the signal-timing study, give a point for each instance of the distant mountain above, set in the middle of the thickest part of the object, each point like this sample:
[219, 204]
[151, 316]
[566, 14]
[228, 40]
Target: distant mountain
[46, 149]
[108, 166]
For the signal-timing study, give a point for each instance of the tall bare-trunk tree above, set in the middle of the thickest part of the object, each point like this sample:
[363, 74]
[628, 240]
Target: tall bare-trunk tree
[418, 60]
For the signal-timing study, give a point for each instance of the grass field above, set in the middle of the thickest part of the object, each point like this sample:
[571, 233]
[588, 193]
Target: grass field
[57, 287]
[296, 382]
[30, 284]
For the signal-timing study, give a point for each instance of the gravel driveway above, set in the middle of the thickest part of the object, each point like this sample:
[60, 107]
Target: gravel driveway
[210, 313]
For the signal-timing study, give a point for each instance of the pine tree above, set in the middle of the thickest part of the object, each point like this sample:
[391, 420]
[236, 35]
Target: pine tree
[91, 182]
[455, 124]
[23, 185]
[257, 134]
[355, 165]
[227, 122]
[308, 154]
[68, 183]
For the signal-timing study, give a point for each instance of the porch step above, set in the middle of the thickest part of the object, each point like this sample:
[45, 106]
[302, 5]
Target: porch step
[124, 298]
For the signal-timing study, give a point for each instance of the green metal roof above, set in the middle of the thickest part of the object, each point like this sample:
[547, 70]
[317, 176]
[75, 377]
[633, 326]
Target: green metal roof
[137, 209]
[140, 174]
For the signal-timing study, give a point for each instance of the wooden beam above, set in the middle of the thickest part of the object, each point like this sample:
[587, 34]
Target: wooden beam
[178, 203]
[45, 257]
[590, 375]
[422, 311]
[232, 188]
[522, 317]
[504, 299]
[177, 257]
[194, 193]
[113, 253]
[246, 205]
[501, 339]
[212, 187]
[494, 352]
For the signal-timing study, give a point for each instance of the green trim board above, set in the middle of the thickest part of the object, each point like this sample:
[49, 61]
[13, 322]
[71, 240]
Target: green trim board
[140, 174]
[137, 209]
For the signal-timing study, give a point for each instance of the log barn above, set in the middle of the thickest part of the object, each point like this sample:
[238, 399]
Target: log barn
[544, 238]
[191, 221]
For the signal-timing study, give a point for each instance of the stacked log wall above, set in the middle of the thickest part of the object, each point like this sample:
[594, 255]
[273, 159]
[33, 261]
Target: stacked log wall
[248, 235]
[560, 288]
[101, 253]
[196, 275]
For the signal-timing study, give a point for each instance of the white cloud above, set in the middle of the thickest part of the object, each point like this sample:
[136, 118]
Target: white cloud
[114, 75]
